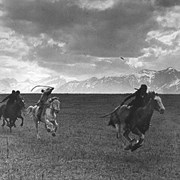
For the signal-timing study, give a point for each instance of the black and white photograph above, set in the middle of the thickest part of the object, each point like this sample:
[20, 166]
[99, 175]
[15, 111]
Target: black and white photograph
[89, 89]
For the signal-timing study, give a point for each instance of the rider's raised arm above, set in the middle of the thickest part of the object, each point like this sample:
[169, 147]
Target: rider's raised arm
[49, 90]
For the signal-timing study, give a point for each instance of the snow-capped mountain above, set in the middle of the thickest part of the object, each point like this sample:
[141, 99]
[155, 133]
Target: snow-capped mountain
[163, 81]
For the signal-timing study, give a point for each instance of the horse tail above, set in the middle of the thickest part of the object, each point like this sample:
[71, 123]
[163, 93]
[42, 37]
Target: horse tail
[110, 112]
[29, 110]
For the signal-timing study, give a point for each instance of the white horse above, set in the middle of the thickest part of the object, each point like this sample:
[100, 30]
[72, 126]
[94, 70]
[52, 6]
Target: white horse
[48, 116]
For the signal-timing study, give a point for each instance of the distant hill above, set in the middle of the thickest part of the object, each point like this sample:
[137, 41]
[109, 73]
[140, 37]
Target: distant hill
[164, 81]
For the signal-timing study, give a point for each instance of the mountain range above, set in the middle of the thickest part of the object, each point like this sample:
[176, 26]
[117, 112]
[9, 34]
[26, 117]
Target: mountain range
[165, 81]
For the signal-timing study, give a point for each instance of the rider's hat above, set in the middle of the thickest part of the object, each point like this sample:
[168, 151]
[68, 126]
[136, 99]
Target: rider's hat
[17, 92]
[143, 86]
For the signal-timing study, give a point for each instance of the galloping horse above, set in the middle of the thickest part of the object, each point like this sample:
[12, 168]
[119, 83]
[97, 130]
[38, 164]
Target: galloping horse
[13, 112]
[140, 121]
[49, 117]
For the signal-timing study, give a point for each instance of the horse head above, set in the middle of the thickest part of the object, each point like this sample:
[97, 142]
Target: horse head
[54, 104]
[20, 102]
[157, 102]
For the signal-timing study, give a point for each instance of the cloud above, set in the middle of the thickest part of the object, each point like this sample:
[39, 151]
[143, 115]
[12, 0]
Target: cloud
[164, 42]
[167, 3]
[83, 38]
[82, 67]
[97, 28]
[96, 4]
[22, 70]
[12, 44]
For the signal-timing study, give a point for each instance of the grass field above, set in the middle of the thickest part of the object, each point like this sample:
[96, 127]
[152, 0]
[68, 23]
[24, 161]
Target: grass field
[86, 148]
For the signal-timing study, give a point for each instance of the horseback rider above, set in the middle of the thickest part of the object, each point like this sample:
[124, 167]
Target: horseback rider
[139, 95]
[43, 100]
[12, 98]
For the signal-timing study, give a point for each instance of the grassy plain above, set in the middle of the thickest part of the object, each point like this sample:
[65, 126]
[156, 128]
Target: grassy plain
[86, 148]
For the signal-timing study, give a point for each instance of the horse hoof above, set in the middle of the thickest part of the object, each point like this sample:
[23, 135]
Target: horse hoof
[133, 141]
[128, 147]
[136, 146]
[53, 134]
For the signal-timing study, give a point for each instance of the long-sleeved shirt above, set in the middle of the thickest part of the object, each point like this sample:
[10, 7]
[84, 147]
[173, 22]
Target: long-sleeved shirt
[45, 95]
[138, 98]
[136, 94]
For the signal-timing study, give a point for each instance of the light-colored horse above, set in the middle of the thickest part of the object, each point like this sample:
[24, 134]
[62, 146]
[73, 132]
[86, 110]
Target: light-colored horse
[48, 116]
[140, 121]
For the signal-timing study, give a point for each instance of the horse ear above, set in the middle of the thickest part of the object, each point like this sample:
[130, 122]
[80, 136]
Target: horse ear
[53, 98]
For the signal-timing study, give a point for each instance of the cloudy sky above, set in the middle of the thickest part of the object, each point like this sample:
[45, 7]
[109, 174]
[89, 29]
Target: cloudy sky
[78, 39]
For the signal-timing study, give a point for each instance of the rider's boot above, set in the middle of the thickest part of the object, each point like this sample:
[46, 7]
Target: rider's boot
[39, 113]
[39, 116]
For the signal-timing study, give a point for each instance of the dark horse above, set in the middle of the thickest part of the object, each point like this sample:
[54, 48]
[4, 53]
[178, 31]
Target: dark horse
[13, 112]
[140, 121]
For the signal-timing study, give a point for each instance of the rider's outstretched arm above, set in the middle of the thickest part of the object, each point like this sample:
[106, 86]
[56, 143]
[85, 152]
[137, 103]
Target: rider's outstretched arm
[5, 98]
[130, 96]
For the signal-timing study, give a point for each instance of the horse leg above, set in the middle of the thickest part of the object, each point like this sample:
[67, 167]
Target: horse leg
[37, 132]
[11, 124]
[126, 135]
[3, 124]
[2, 111]
[5, 121]
[22, 120]
[130, 140]
[14, 123]
[117, 126]
[140, 141]
[119, 130]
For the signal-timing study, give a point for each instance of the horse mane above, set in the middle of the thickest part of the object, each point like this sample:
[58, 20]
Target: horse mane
[150, 95]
